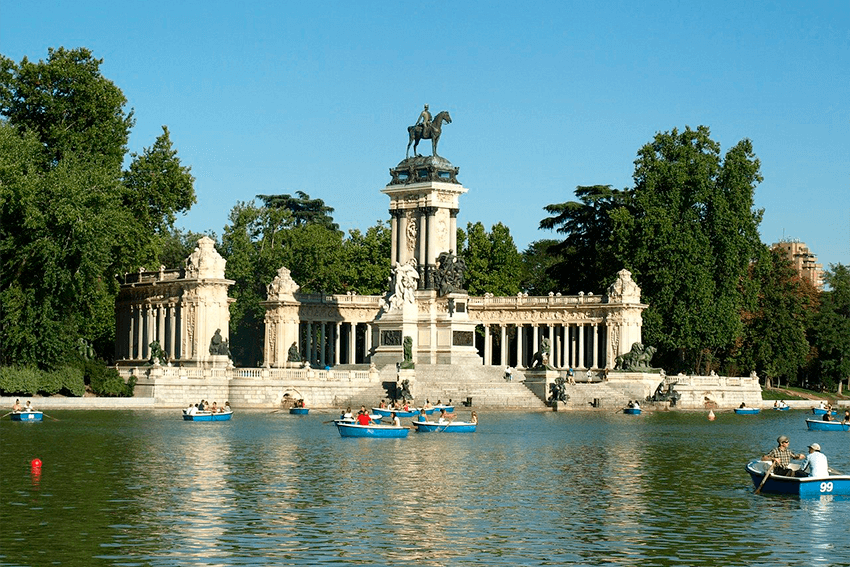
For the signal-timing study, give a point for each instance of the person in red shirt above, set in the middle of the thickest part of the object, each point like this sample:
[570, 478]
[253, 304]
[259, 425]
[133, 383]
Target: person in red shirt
[363, 418]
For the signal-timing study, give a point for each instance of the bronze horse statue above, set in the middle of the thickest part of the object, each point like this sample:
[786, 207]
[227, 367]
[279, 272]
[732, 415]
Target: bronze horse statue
[416, 133]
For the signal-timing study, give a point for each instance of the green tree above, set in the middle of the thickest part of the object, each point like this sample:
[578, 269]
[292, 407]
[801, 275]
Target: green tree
[688, 235]
[366, 264]
[831, 329]
[537, 262]
[586, 259]
[304, 209]
[776, 313]
[493, 263]
[68, 105]
[68, 223]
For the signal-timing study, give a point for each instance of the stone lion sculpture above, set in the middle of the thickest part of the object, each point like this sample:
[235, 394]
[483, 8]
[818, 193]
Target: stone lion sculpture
[637, 359]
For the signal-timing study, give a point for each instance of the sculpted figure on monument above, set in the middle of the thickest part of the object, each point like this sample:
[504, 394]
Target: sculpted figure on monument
[293, 355]
[427, 129]
[449, 273]
[218, 344]
[406, 281]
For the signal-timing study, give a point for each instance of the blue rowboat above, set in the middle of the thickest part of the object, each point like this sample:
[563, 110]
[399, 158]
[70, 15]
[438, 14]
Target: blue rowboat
[631, 411]
[747, 411]
[806, 487]
[375, 417]
[821, 411]
[207, 416]
[27, 416]
[447, 427]
[449, 409]
[412, 412]
[821, 425]
[378, 431]
[299, 411]
[786, 408]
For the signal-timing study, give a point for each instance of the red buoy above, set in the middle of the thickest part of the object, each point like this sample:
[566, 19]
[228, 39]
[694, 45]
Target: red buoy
[36, 463]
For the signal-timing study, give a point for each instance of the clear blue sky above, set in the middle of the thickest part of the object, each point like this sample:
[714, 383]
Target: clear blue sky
[277, 97]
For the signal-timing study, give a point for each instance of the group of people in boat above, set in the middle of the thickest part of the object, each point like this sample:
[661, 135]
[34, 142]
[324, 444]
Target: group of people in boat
[815, 464]
[205, 406]
[403, 405]
[18, 408]
[634, 404]
[780, 404]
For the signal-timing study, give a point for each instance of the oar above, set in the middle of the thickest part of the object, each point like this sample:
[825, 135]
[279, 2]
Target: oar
[833, 471]
[50, 416]
[766, 475]
[7, 413]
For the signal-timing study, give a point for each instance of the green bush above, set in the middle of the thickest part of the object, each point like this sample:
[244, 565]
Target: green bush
[17, 380]
[72, 381]
[50, 382]
[106, 381]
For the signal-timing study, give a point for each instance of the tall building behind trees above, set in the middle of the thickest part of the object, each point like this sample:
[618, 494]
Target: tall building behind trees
[802, 260]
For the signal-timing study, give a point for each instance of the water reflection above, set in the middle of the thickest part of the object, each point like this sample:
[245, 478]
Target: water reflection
[547, 489]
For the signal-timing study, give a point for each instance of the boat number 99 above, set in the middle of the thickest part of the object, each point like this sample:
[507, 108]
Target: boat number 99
[826, 487]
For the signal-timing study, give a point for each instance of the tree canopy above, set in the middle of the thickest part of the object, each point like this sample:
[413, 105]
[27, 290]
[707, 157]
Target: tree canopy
[70, 218]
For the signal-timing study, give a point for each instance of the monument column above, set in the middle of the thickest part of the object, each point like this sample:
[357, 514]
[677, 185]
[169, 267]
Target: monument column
[503, 345]
[488, 355]
[581, 329]
[595, 362]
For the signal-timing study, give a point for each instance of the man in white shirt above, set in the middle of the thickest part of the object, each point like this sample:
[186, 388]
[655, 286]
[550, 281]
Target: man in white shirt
[815, 464]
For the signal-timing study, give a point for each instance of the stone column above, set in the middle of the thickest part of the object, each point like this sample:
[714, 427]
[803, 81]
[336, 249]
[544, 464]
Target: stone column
[581, 329]
[140, 316]
[535, 338]
[453, 229]
[488, 358]
[337, 343]
[323, 345]
[595, 333]
[503, 346]
[172, 329]
[367, 343]
[519, 339]
[394, 242]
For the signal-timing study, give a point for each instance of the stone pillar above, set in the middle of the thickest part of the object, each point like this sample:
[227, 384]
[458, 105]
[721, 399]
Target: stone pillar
[140, 317]
[367, 343]
[595, 334]
[488, 358]
[352, 343]
[503, 346]
[172, 329]
[453, 229]
[519, 339]
[581, 329]
[394, 242]
[337, 343]
[535, 338]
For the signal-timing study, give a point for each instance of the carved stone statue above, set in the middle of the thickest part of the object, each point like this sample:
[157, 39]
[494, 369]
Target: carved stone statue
[405, 394]
[425, 129]
[293, 355]
[158, 355]
[636, 360]
[218, 344]
[449, 273]
[540, 360]
[406, 280]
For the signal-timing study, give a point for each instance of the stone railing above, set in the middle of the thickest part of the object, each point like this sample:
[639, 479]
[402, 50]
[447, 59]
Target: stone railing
[554, 300]
[270, 374]
[707, 381]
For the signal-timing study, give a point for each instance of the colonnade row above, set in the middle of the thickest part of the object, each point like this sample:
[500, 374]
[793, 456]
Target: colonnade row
[141, 324]
[578, 346]
[415, 235]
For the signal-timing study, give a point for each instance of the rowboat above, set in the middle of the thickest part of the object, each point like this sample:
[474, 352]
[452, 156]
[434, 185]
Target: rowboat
[747, 411]
[821, 425]
[411, 412]
[27, 416]
[821, 411]
[782, 408]
[447, 427]
[207, 416]
[375, 417]
[438, 407]
[299, 411]
[805, 487]
[631, 411]
[378, 431]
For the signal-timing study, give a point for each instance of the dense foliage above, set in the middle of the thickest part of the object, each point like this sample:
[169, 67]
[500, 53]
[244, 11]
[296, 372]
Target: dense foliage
[70, 218]
[493, 264]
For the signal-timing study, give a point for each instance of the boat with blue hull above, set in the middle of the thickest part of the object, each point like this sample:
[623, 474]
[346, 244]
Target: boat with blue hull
[821, 425]
[747, 411]
[438, 407]
[821, 411]
[782, 408]
[805, 487]
[411, 412]
[27, 416]
[299, 411]
[207, 416]
[631, 411]
[374, 431]
[447, 427]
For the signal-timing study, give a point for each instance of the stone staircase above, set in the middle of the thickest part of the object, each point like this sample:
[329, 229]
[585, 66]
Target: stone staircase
[485, 385]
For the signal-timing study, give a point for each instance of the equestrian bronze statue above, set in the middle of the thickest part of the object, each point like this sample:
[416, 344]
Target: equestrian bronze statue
[427, 130]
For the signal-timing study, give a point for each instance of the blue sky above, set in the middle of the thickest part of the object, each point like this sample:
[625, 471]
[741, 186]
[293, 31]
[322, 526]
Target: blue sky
[277, 97]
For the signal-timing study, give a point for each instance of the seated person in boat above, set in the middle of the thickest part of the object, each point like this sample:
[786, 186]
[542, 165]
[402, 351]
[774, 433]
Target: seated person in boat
[473, 418]
[427, 405]
[821, 405]
[631, 404]
[636, 404]
[827, 416]
[782, 456]
[214, 407]
[17, 407]
[363, 418]
[191, 410]
[347, 414]
[421, 416]
[29, 407]
[394, 418]
[846, 419]
[227, 407]
[444, 417]
[383, 404]
[743, 405]
[816, 464]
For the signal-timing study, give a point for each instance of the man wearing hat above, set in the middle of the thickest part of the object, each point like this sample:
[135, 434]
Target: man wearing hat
[781, 457]
[815, 464]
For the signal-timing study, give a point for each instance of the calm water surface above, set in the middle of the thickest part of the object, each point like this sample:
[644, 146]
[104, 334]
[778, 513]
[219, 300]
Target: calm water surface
[146, 488]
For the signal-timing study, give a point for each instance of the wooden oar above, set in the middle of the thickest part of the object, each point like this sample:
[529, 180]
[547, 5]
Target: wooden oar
[766, 475]
[7, 413]
[50, 416]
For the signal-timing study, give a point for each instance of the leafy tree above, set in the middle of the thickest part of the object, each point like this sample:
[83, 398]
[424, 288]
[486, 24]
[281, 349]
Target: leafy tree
[586, 259]
[775, 317]
[304, 209]
[366, 265]
[831, 329]
[537, 261]
[493, 264]
[68, 223]
[68, 104]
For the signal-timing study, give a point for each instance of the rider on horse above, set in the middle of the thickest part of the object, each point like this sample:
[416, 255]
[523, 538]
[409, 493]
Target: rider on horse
[425, 120]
